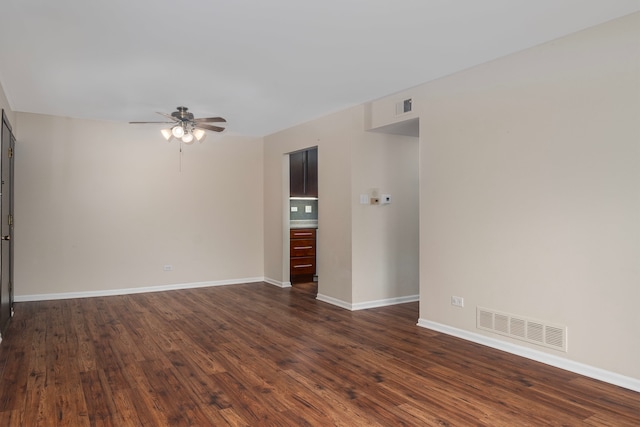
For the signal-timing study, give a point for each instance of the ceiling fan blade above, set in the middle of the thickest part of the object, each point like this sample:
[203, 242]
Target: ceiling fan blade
[209, 127]
[138, 123]
[210, 120]
[169, 116]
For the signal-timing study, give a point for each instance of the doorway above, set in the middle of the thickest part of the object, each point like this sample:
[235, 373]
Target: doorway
[6, 228]
[302, 216]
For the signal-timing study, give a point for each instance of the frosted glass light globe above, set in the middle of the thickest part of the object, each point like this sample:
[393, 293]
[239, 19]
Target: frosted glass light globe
[177, 131]
[187, 138]
[199, 134]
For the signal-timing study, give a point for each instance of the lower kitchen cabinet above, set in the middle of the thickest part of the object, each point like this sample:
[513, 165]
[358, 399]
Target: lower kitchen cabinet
[302, 254]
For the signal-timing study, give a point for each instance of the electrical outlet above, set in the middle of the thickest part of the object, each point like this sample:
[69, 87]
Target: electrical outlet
[168, 267]
[457, 301]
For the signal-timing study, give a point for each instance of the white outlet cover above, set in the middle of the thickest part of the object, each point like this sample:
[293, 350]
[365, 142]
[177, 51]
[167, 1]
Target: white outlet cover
[308, 209]
[294, 209]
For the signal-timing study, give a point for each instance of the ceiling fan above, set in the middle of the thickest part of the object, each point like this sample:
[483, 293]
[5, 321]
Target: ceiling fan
[186, 127]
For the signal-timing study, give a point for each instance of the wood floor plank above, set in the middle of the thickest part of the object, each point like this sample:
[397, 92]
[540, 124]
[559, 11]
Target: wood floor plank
[13, 395]
[149, 407]
[178, 405]
[201, 386]
[99, 398]
[126, 413]
[12, 419]
[255, 354]
[341, 411]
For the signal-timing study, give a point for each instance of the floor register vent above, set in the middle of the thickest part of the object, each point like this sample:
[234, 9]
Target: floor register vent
[522, 328]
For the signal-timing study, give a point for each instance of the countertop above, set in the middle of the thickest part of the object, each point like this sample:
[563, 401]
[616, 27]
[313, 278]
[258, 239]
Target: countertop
[303, 223]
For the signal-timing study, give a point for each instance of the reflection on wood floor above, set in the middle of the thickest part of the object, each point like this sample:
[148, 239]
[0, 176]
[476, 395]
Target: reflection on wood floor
[255, 354]
[310, 288]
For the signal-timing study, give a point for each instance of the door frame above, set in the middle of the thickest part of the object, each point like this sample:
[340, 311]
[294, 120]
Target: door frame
[7, 146]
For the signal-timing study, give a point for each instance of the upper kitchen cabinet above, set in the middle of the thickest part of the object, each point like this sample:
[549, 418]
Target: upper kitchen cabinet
[303, 173]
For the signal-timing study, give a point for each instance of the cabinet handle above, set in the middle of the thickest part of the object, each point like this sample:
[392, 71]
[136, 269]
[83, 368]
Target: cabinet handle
[303, 266]
[303, 234]
[303, 247]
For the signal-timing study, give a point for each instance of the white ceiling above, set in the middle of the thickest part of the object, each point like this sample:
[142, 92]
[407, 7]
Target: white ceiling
[264, 65]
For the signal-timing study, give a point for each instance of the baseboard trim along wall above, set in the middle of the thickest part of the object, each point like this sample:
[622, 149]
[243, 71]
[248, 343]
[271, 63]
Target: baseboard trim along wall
[538, 356]
[333, 301]
[367, 304]
[126, 291]
[277, 283]
[384, 302]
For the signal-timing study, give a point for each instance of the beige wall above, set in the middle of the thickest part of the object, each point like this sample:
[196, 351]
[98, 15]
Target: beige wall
[104, 206]
[530, 192]
[333, 135]
[385, 237]
[365, 253]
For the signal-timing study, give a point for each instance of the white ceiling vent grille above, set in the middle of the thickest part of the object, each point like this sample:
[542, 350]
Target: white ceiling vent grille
[522, 328]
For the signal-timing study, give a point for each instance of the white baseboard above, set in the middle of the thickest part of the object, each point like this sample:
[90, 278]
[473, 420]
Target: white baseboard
[539, 356]
[367, 304]
[333, 301]
[277, 283]
[384, 302]
[126, 291]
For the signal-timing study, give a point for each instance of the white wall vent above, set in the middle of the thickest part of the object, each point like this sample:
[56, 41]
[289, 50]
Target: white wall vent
[522, 328]
[404, 106]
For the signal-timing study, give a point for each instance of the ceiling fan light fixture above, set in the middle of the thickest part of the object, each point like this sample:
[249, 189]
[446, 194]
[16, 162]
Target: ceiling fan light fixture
[199, 134]
[187, 128]
[177, 131]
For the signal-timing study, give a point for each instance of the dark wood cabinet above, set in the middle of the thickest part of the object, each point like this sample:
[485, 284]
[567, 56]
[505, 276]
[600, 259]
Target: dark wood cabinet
[312, 173]
[303, 173]
[302, 266]
[296, 174]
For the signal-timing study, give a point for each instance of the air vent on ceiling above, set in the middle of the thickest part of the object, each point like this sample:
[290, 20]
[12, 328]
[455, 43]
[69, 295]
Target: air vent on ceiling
[404, 106]
[522, 328]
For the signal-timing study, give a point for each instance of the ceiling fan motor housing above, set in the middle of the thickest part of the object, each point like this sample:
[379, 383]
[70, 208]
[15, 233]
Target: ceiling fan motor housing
[182, 114]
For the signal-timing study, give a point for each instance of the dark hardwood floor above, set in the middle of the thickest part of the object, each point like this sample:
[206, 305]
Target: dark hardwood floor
[255, 355]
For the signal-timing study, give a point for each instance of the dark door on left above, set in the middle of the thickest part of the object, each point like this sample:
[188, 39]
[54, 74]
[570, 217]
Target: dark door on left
[6, 226]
